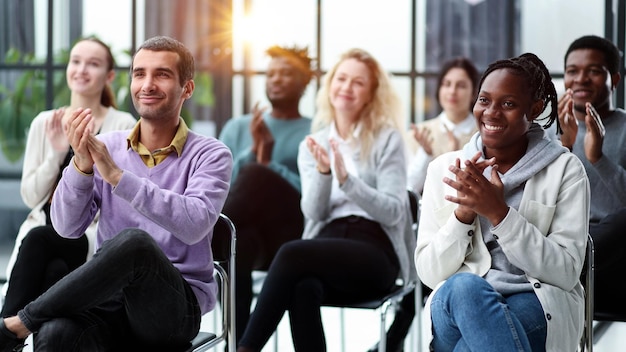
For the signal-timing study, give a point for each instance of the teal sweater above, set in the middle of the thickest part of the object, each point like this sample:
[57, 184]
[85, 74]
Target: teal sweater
[288, 133]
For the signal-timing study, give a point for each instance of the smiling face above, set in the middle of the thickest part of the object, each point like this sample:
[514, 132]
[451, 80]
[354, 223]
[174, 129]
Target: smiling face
[587, 75]
[351, 88]
[88, 70]
[503, 112]
[155, 85]
[456, 92]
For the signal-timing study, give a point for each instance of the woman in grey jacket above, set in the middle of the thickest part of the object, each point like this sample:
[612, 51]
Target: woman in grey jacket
[502, 238]
[357, 239]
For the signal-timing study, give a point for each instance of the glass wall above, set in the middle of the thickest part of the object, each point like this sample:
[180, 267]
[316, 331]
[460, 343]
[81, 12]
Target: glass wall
[32, 76]
[411, 38]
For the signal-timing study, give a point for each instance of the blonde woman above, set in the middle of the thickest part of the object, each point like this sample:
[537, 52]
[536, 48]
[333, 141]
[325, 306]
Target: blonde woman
[357, 239]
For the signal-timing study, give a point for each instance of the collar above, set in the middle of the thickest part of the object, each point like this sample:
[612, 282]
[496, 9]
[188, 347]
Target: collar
[356, 132]
[177, 144]
[467, 126]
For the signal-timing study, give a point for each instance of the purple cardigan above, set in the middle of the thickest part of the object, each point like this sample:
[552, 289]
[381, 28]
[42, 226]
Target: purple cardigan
[177, 202]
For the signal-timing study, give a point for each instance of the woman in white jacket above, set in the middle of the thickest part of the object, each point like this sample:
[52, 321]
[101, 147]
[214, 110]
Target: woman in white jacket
[40, 256]
[504, 224]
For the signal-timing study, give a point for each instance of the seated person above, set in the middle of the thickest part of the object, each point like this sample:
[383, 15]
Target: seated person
[499, 240]
[592, 67]
[355, 204]
[159, 189]
[453, 127]
[264, 200]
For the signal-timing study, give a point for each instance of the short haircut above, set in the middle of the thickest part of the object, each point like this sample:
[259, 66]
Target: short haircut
[611, 52]
[186, 65]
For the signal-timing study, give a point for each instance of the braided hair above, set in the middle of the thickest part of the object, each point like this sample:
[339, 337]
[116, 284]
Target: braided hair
[538, 80]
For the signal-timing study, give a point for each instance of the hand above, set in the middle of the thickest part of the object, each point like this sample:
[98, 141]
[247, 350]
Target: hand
[78, 131]
[55, 131]
[422, 136]
[476, 194]
[594, 137]
[107, 168]
[340, 168]
[567, 120]
[262, 139]
[319, 154]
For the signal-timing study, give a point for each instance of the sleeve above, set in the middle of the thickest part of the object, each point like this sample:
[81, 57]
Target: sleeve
[416, 173]
[190, 214]
[74, 204]
[440, 234]
[235, 135]
[41, 166]
[316, 187]
[558, 256]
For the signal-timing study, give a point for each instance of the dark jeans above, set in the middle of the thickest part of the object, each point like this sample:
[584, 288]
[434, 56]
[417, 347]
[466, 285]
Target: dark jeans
[128, 295]
[609, 239]
[265, 210]
[44, 258]
[349, 261]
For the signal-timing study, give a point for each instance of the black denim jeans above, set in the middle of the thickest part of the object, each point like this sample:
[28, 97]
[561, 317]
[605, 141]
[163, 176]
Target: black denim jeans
[43, 259]
[350, 260]
[128, 296]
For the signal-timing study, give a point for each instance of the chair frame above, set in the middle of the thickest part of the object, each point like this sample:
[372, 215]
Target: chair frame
[586, 340]
[394, 298]
[204, 340]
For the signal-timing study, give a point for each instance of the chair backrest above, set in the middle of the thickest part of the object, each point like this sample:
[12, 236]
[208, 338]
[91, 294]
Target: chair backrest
[224, 263]
[587, 280]
[414, 201]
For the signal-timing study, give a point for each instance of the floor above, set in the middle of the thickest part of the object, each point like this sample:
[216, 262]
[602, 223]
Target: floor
[360, 329]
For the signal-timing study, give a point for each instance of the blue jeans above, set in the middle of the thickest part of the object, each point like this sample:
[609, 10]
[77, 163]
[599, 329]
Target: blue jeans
[469, 315]
[128, 296]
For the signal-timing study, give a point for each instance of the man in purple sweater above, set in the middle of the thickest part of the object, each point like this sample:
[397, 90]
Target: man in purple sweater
[159, 190]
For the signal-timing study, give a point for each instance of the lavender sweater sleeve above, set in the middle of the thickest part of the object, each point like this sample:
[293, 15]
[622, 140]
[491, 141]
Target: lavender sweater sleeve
[177, 202]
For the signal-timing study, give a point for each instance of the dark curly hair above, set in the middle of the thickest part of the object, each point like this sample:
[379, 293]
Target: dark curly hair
[538, 80]
[610, 51]
[301, 55]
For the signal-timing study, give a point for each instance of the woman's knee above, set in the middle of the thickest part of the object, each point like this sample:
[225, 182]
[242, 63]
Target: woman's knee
[292, 252]
[37, 236]
[463, 287]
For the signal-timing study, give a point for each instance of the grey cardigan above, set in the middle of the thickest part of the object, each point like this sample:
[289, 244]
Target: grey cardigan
[380, 191]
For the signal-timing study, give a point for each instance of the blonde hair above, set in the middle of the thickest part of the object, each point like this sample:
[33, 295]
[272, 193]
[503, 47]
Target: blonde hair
[383, 109]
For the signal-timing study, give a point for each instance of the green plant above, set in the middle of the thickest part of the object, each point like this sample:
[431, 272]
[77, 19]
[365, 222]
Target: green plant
[25, 97]
[23, 100]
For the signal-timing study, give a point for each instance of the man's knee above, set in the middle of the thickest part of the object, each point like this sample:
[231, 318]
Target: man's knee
[64, 334]
[132, 239]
